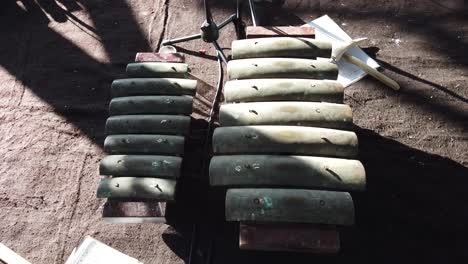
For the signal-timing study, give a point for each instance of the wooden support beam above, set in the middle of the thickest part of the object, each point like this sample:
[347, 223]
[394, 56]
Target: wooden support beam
[264, 32]
[133, 212]
[318, 239]
[159, 57]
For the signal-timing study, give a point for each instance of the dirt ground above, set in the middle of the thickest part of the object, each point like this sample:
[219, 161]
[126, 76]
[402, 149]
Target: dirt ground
[57, 60]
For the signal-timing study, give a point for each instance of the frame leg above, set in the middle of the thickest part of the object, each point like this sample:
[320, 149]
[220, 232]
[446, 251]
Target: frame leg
[182, 39]
[227, 21]
[220, 51]
[253, 13]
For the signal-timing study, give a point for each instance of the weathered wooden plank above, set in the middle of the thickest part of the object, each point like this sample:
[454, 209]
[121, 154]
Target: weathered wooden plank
[289, 206]
[319, 239]
[175, 57]
[137, 188]
[141, 165]
[265, 32]
[281, 47]
[282, 68]
[134, 220]
[293, 140]
[125, 208]
[148, 124]
[287, 171]
[314, 114]
[263, 90]
[125, 211]
[153, 86]
[173, 105]
[144, 144]
[157, 70]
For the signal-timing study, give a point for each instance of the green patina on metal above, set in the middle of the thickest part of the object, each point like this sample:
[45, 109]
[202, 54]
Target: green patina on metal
[157, 70]
[176, 105]
[262, 90]
[287, 171]
[148, 124]
[282, 68]
[141, 165]
[277, 47]
[153, 86]
[314, 114]
[137, 188]
[295, 140]
[144, 144]
[289, 206]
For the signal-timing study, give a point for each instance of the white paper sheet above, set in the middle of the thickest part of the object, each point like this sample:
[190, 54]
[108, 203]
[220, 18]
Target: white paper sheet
[327, 29]
[92, 251]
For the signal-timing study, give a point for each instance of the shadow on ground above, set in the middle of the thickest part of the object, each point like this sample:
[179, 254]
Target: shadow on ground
[49, 64]
[415, 209]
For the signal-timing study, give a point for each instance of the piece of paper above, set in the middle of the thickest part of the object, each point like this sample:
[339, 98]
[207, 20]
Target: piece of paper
[92, 251]
[327, 29]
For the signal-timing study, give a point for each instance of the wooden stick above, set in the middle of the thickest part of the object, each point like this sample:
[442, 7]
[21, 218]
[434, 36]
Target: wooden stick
[373, 72]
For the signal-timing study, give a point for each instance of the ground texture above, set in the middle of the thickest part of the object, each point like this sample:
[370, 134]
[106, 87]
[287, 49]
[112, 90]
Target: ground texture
[57, 60]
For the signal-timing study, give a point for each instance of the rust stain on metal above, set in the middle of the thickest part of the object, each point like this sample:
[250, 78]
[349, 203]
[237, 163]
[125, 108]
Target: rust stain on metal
[288, 109]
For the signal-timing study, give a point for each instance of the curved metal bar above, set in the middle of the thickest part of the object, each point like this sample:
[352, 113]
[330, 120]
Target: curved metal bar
[253, 13]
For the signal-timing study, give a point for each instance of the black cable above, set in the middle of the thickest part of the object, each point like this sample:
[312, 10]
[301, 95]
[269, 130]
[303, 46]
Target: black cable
[215, 102]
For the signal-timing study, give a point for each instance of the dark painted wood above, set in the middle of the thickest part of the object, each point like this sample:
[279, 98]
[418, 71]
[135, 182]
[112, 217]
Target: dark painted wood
[176, 57]
[129, 208]
[318, 239]
[264, 32]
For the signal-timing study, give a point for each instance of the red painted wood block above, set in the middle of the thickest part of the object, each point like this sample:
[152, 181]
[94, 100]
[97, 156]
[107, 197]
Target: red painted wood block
[319, 239]
[265, 32]
[159, 57]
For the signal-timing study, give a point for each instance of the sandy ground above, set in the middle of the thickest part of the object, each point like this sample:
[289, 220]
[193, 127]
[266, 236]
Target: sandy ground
[57, 60]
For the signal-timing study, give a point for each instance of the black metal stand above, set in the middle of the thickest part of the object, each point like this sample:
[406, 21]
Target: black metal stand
[209, 30]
